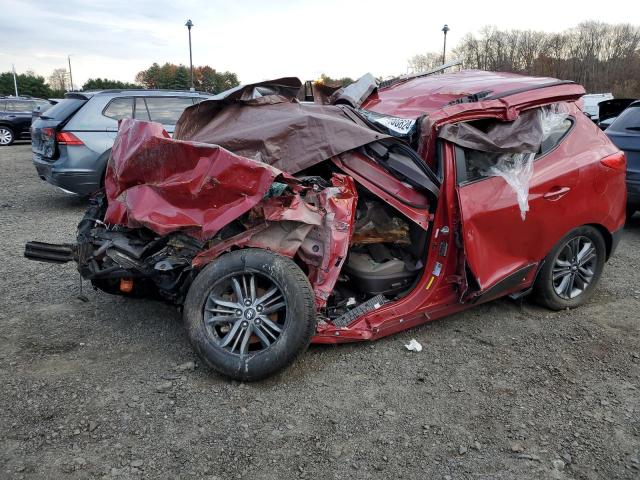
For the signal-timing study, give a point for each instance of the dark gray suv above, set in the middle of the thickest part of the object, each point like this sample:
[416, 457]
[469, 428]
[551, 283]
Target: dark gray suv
[71, 142]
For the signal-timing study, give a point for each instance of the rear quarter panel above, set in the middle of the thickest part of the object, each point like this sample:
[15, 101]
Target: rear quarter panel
[498, 242]
[601, 191]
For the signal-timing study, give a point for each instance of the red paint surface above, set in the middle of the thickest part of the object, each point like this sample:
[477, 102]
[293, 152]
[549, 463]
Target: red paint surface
[167, 185]
[498, 242]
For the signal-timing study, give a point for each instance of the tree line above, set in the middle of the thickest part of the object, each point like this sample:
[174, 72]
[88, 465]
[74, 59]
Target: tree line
[602, 57]
[167, 76]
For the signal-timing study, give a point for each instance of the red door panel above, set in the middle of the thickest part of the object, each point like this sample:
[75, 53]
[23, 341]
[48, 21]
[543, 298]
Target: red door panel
[497, 241]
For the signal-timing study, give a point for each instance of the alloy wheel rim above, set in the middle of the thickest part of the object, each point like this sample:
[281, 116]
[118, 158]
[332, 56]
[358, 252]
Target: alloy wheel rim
[574, 267]
[245, 313]
[5, 136]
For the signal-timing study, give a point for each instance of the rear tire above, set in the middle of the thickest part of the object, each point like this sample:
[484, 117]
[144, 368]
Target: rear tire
[571, 270]
[250, 313]
[7, 136]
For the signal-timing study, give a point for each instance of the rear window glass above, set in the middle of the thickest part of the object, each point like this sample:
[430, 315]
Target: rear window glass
[119, 108]
[167, 110]
[64, 109]
[628, 120]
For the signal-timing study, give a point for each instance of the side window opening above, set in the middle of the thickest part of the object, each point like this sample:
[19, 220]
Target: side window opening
[489, 148]
[119, 108]
[167, 110]
[473, 164]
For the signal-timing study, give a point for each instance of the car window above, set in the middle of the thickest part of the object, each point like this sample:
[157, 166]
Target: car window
[472, 165]
[64, 109]
[119, 108]
[20, 106]
[167, 110]
[140, 111]
[629, 119]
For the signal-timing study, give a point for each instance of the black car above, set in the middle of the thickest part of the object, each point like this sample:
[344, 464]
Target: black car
[15, 117]
[610, 109]
[625, 133]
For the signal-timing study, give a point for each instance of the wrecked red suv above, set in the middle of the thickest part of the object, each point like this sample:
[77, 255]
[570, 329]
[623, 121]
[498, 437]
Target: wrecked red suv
[277, 222]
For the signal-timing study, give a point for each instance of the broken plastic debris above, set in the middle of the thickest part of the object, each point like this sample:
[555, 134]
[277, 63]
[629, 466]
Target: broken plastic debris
[413, 346]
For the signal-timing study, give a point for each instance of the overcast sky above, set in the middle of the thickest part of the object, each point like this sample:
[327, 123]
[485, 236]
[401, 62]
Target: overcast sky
[261, 39]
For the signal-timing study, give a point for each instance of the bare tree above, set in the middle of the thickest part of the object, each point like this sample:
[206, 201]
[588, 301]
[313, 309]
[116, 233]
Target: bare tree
[58, 80]
[426, 61]
[602, 57]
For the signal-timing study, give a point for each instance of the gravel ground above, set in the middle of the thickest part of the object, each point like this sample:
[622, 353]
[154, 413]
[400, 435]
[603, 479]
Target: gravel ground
[110, 387]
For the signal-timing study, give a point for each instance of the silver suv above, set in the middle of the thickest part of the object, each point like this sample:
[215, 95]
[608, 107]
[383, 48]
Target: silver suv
[71, 142]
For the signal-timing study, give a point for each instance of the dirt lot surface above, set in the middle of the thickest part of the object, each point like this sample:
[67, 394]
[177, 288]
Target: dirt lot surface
[110, 387]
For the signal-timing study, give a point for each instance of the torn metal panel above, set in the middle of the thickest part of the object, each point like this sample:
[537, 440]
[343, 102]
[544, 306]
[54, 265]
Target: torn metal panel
[355, 93]
[317, 228]
[168, 185]
[325, 248]
[408, 201]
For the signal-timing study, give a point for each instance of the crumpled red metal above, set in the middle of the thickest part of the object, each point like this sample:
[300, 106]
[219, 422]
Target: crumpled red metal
[168, 185]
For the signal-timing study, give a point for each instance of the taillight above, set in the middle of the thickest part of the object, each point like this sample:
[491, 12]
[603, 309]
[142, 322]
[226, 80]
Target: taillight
[48, 132]
[617, 161]
[68, 138]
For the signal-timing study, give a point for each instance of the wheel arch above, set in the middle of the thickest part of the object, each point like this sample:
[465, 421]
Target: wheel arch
[606, 235]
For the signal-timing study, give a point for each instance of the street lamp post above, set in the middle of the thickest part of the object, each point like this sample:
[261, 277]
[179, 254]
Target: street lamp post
[445, 29]
[15, 83]
[70, 76]
[189, 24]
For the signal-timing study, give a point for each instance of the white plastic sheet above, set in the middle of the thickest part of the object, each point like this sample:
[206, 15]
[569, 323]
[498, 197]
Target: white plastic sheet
[517, 168]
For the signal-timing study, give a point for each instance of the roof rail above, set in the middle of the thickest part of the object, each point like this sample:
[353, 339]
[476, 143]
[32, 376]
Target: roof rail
[424, 73]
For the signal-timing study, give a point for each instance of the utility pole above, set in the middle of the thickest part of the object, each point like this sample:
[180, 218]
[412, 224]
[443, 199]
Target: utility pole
[445, 29]
[70, 76]
[189, 24]
[15, 83]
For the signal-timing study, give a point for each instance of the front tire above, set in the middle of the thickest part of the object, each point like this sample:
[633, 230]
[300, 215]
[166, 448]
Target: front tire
[571, 270]
[250, 313]
[7, 136]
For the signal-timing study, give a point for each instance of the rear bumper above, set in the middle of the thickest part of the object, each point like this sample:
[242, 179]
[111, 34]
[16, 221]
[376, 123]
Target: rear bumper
[76, 175]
